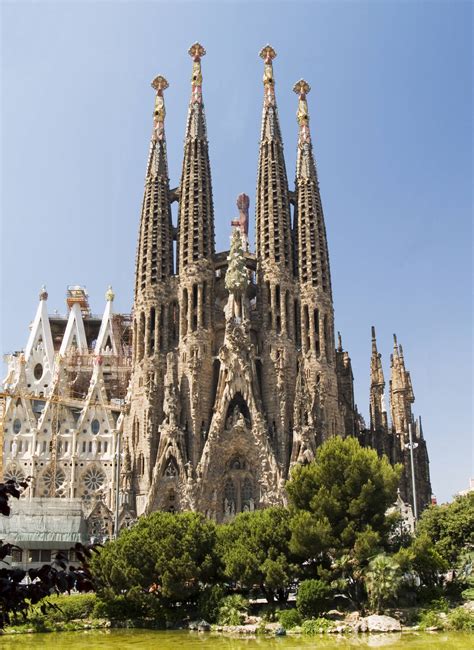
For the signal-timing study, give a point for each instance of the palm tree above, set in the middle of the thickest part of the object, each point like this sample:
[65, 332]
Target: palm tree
[382, 580]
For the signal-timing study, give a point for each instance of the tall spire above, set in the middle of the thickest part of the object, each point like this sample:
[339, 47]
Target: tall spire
[317, 313]
[401, 390]
[378, 412]
[274, 242]
[312, 248]
[196, 211]
[155, 244]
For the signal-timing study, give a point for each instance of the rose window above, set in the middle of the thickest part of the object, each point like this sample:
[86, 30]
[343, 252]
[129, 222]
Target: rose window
[59, 480]
[94, 479]
[13, 473]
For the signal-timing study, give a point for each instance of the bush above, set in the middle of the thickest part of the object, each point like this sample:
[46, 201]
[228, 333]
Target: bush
[468, 594]
[316, 626]
[210, 601]
[233, 610]
[431, 618]
[123, 607]
[269, 613]
[461, 619]
[289, 618]
[70, 607]
[312, 598]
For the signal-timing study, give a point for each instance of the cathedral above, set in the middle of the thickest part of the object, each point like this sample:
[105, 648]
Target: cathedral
[227, 373]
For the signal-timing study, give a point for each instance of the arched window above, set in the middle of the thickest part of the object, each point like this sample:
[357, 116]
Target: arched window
[246, 493]
[171, 470]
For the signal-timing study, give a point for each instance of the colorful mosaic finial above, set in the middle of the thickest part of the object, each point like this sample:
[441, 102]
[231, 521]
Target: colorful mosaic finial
[160, 84]
[267, 53]
[196, 52]
[109, 294]
[302, 88]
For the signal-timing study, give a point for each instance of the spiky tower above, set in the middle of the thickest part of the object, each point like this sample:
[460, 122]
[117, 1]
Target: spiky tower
[275, 273]
[195, 269]
[153, 308]
[378, 411]
[317, 313]
[401, 400]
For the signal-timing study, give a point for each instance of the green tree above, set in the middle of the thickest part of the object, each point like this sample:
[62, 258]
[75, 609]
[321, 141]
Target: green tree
[342, 494]
[169, 556]
[450, 527]
[254, 549]
[422, 559]
[382, 580]
[313, 598]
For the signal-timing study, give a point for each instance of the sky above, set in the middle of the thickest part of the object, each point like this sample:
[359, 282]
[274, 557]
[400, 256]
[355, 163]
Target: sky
[391, 119]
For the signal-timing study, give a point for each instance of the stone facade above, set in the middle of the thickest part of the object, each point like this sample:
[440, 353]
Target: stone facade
[236, 376]
[226, 375]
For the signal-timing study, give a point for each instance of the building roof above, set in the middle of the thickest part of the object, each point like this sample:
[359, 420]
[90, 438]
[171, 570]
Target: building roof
[44, 523]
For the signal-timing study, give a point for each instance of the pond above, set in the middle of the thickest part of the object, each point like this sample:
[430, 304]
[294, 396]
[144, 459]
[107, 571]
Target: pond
[145, 639]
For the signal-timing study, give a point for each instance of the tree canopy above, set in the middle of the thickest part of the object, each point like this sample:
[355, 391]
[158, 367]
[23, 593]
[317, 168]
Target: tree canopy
[255, 551]
[450, 527]
[340, 498]
[170, 555]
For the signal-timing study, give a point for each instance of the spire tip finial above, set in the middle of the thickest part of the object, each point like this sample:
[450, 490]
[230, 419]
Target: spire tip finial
[301, 87]
[373, 332]
[109, 294]
[160, 83]
[43, 293]
[196, 51]
[267, 53]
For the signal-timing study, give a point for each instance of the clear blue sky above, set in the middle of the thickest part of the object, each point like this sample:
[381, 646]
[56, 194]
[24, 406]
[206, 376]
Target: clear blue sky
[391, 110]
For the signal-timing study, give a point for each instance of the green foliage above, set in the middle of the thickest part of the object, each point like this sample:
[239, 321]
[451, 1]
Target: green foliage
[461, 619]
[233, 610]
[170, 556]
[430, 618]
[422, 558]
[382, 580]
[312, 598]
[69, 607]
[344, 492]
[468, 594]
[135, 604]
[450, 527]
[209, 601]
[314, 626]
[254, 549]
[289, 618]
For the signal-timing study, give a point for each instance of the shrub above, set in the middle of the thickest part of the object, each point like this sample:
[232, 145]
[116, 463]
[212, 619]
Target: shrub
[461, 619]
[312, 598]
[289, 618]
[70, 607]
[210, 601]
[233, 610]
[123, 607]
[430, 618]
[316, 626]
[468, 594]
[269, 613]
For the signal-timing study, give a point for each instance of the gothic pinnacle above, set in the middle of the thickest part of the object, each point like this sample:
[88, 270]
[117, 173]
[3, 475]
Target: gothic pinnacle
[196, 52]
[302, 88]
[374, 340]
[160, 84]
[267, 53]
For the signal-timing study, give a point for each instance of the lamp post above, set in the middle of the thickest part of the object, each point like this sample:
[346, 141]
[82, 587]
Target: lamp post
[411, 446]
[117, 483]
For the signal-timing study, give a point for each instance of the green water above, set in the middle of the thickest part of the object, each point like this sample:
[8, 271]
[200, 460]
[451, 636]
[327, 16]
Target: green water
[144, 639]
